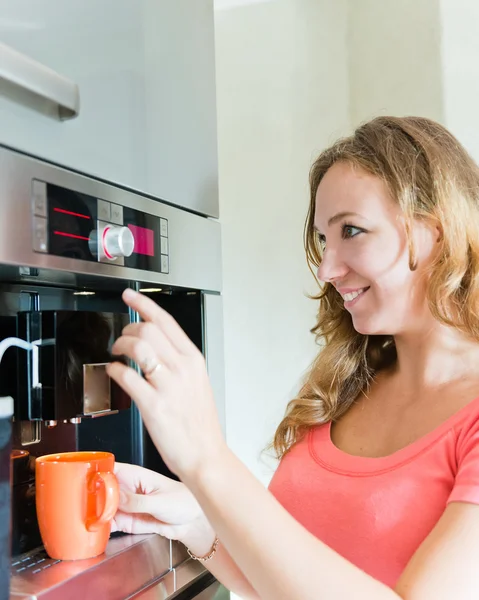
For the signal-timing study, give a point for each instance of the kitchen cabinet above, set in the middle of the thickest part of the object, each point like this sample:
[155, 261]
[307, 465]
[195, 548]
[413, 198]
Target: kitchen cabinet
[141, 74]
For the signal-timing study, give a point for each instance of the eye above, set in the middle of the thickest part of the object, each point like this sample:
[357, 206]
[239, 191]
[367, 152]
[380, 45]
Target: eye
[321, 240]
[350, 231]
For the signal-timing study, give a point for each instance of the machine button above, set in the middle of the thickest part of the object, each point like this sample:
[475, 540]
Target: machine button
[40, 234]
[164, 264]
[39, 198]
[164, 227]
[164, 245]
[103, 210]
[116, 215]
[117, 242]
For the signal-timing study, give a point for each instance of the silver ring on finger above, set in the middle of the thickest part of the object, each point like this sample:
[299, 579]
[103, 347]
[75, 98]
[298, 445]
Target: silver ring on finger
[150, 367]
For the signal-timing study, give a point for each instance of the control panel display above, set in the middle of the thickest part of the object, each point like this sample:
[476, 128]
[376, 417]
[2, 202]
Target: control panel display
[144, 240]
[72, 217]
[76, 225]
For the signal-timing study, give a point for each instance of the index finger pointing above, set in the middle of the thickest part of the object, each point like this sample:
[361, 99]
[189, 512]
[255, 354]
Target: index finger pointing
[150, 311]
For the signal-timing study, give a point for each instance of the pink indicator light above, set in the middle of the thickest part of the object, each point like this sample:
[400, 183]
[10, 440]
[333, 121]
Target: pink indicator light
[144, 240]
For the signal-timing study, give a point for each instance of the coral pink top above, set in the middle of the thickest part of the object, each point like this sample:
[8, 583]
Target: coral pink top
[376, 511]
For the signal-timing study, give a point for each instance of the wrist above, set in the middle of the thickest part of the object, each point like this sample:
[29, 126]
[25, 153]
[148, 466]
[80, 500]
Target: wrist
[205, 557]
[203, 481]
[200, 537]
[211, 467]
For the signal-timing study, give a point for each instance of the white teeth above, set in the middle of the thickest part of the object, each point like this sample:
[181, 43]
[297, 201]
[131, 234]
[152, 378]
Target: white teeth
[351, 295]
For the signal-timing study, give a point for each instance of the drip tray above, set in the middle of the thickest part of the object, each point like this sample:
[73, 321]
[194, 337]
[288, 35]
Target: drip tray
[32, 563]
[130, 565]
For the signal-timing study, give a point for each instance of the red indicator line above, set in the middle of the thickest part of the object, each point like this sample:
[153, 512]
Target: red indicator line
[69, 212]
[72, 235]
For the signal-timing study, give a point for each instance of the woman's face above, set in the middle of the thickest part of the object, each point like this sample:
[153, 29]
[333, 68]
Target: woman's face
[365, 252]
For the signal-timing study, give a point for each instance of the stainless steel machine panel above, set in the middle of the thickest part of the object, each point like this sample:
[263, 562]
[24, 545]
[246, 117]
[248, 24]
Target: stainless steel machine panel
[132, 566]
[190, 244]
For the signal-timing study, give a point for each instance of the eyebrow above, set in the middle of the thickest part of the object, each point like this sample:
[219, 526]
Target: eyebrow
[337, 217]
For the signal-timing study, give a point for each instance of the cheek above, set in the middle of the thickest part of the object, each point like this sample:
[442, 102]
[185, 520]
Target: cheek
[374, 261]
[384, 264]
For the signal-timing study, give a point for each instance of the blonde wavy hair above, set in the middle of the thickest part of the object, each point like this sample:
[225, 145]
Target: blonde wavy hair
[431, 176]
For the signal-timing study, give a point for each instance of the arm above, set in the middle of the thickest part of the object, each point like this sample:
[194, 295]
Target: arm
[223, 567]
[283, 561]
[280, 559]
[445, 565]
[152, 503]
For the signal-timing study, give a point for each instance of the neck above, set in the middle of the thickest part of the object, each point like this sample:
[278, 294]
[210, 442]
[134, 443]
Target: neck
[435, 356]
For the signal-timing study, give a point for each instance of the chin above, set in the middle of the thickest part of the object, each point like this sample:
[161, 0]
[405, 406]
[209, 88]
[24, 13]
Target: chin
[369, 327]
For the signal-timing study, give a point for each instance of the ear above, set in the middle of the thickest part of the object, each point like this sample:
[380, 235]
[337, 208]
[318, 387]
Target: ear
[439, 232]
[427, 236]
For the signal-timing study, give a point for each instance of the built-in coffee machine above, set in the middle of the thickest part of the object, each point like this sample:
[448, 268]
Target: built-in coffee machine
[69, 245]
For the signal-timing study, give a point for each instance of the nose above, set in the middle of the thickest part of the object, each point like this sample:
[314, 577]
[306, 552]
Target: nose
[332, 268]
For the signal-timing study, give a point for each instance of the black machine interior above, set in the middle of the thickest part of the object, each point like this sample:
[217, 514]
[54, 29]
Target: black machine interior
[79, 317]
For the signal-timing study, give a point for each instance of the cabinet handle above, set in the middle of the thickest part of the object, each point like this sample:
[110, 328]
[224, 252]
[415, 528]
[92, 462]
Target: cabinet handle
[31, 75]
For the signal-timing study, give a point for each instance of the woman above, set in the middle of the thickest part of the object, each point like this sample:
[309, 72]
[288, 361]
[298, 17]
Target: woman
[380, 450]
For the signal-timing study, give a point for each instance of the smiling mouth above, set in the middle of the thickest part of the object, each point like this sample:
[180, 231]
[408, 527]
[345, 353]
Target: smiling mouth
[353, 295]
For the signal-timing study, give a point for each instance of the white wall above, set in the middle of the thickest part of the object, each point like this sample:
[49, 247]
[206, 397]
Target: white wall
[282, 91]
[418, 58]
[460, 52]
[395, 58]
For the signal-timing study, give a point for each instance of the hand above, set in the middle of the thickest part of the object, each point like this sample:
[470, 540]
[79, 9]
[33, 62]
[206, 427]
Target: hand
[175, 400]
[153, 503]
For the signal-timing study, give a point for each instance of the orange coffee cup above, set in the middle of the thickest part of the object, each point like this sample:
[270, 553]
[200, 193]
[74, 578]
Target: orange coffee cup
[77, 497]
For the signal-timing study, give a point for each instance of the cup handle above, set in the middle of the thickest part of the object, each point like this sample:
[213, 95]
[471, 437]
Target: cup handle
[112, 496]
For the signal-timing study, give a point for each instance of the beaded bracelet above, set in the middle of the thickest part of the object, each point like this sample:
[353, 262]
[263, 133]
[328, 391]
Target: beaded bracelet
[208, 556]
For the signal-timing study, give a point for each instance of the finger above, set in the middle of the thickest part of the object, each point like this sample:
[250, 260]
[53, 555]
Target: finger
[152, 334]
[133, 477]
[150, 311]
[114, 527]
[157, 505]
[140, 523]
[144, 395]
[137, 503]
[121, 467]
[142, 353]
[140, 479]
[126, 474]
